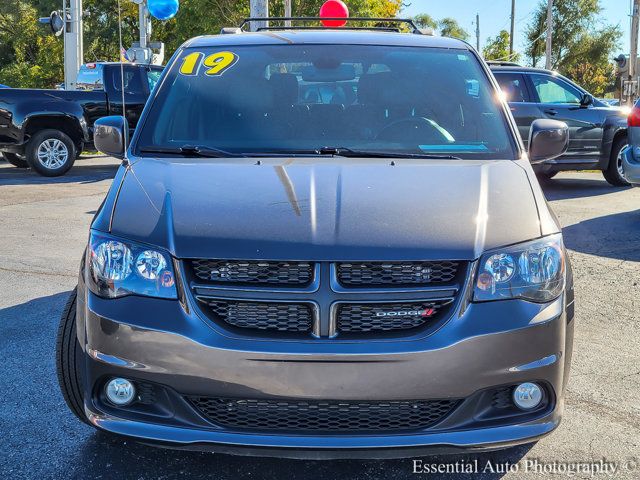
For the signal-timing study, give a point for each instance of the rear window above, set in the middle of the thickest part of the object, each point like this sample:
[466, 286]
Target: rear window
[132, 78]
[90, 77]
[287, 98]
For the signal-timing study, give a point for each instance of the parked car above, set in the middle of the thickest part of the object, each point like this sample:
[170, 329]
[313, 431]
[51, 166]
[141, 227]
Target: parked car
[597, 131]
[48, 129]
[277, 273]
[631, 155]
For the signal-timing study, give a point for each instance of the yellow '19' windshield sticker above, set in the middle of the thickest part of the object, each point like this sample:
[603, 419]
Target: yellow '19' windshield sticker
[214, 65]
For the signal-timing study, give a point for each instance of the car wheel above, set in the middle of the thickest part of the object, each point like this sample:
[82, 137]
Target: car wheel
[51, 153]
[16, 160]
[68, 355]
[614, 174]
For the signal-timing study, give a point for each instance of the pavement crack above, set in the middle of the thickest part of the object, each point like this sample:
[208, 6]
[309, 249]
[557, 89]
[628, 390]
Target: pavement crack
[33, 202]
[36, 272]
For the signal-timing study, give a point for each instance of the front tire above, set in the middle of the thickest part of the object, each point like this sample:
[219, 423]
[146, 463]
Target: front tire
[68, 359]
[614, 174]
[16, 160]
[51, 153]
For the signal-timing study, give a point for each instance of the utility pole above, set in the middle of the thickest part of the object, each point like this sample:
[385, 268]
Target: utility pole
[144, 25]
[478, 32]
[549, 34]
[72, 15]
[142, 50]
[513, 27]
[631, 90]
[287, 12]
[259, 8]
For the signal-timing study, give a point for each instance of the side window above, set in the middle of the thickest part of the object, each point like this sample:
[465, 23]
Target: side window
[513, 86]
[554, 90]
[132, 80]
[152, 77]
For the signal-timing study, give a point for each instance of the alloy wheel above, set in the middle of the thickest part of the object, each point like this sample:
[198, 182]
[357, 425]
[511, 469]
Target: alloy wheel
[619, 164]
[52, 153]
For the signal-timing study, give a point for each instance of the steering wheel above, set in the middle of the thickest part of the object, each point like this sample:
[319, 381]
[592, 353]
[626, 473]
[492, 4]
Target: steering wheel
[400, 129]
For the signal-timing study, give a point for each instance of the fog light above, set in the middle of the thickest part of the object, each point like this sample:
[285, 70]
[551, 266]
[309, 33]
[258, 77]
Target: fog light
[527, 396]
[120, 391]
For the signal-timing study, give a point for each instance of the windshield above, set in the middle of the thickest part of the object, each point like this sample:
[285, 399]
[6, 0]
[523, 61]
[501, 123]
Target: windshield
[300, 99]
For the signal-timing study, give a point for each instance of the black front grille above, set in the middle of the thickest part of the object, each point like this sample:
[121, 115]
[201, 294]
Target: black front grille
[396, 274]
[502, 398]
[281, 317]
[146, 393]
[387, 317]
[246, 272]
[319, 416]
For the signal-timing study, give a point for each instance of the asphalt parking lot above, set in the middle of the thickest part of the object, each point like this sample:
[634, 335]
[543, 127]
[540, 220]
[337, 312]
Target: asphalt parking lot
[43, 229]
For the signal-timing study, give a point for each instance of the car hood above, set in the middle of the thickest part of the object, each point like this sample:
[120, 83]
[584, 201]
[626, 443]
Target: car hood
[333, 209]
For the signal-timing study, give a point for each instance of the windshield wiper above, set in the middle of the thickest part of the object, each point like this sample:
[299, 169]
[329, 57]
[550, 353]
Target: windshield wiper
[203, 151]
[350, 152]
[192, 151]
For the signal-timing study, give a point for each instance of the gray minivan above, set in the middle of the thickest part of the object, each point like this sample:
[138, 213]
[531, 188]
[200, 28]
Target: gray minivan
[323, 243]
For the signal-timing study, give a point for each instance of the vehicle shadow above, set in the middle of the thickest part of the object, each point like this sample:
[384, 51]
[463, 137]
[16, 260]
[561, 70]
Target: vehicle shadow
[566, 187]
[87, 169]
[129, 459]
[45, 440]
[613, 236]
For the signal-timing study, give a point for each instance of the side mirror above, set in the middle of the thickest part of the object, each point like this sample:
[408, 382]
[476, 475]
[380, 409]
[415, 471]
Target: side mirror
[108, 135]
[548, 139]
[586, 100]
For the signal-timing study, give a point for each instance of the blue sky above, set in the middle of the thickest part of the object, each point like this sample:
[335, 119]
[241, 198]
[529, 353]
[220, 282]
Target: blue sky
[494, 16]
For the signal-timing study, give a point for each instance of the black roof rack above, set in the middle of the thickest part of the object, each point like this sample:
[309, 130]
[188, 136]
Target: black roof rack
[378, 21]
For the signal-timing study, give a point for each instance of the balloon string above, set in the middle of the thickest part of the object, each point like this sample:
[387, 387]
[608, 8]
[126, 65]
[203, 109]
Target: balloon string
[126, 123]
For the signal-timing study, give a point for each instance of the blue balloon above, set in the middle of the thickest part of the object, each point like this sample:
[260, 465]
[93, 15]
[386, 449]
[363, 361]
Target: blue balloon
[163, 9]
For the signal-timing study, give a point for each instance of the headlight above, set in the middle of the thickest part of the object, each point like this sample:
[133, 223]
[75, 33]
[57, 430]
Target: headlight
[119, 267]
[532, 271]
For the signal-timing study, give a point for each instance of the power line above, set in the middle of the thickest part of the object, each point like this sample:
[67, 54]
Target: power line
[505, 58]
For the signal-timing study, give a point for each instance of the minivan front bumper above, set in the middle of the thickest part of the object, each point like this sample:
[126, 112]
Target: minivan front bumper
[483, 346]
[335, 447]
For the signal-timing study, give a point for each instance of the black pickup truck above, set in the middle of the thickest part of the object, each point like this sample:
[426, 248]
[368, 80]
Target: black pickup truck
[47, 130]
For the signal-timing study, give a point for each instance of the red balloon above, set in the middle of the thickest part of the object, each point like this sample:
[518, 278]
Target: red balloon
[334, 8]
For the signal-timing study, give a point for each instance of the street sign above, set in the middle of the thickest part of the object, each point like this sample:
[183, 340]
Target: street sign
[630, 88]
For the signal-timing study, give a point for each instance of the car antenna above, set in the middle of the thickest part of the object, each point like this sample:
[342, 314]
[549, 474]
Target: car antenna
[125, 130]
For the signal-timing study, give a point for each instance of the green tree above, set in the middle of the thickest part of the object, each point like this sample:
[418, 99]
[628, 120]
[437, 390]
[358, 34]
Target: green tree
[357, 8]
[27, 58]
[497, 48]
[582, 44]
[449, 27]
[424, 20]
[31, 57]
